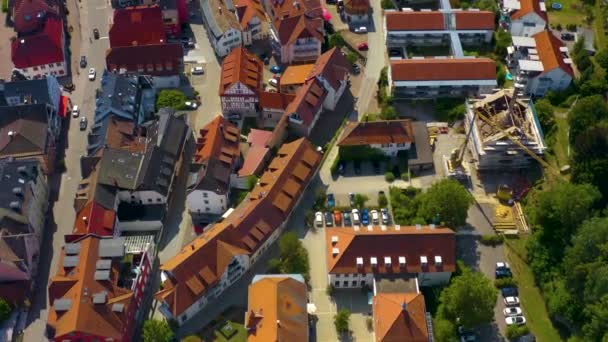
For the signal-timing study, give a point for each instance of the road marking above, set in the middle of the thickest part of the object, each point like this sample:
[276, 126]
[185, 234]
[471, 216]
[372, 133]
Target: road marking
[101, 7]
[105, 37]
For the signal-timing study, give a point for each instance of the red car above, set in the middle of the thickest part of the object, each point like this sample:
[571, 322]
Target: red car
[362, 46]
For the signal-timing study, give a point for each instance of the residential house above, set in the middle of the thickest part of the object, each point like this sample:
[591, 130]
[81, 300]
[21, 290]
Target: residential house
[256, 154]
[30, 15]
[422, 78]
[198, 274]
[19, 253]
[174, 12]
[540, 63]
[272, 107]
[528, 17]
[98, 289]
[277, 308]
[42, 53]
[356, 12]
[357, 255]
[222, 25]
[252, 19]
[294, 77]
[241, 83]
[401, 317]
[297, 30]
[29, 132]
[491, 148]
[133, 26]
[322, 90]
[26, 92]
[216, 158]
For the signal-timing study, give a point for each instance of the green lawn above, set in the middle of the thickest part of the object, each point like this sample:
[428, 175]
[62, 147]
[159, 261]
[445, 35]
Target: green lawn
[559, 143]
[598, 26]
[531, 299]
[571, 13]
[231, 332]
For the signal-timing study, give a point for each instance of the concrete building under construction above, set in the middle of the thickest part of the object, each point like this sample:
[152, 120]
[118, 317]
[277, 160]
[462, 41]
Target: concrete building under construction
[489, 123]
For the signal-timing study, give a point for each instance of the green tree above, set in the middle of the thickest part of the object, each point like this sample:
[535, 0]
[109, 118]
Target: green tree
[170, 98]
[601, 57]
[360, 200]
[157, 331]
[251, 182]
[293, 256]
[545, 113]
[502, 40]
[352, 57]
[444, 330]
[5, 310]
[382, 200]
[590, 156]
[388, 113]
[596, 328]
[336, 40]
[446, 200]
[469, 299]
[342, 321]
[586, 113]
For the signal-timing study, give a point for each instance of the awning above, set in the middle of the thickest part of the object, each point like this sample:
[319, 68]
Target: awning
[63, 106]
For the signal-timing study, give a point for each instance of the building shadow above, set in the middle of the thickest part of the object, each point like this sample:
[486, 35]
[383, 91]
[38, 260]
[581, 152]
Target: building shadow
[354, 300]
[467, 250]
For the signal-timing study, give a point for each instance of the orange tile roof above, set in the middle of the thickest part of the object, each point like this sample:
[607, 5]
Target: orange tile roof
[377, 132]
[241, 66]
[248, 9]
[527, 7]
[94, 219]
[239, 233]
[400, 317]
[218, 136]
[474, 20]
[269, 100]
[437, 69]
[78, 285]
[332, 66]
[408, 242]
[356, 6]
[296, 74]
[277, 310]
[549, 54]
[297, 19]
[308, 100]
[415, 21]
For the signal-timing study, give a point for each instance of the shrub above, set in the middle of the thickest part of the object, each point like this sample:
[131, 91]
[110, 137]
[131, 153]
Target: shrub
[505, 282]
[389, 177]
[370, 323]
[4, 6]
[352, 57]
[387, 4]
[405, 176]
[330, 289]
[515, 332]
[382, 200]
[559, 27]
[491, 240]
[5, 310]
[571, 27]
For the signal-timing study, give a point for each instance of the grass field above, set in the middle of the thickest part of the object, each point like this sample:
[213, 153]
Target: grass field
[571, 13]
[530, 297]
[235, 331]
[598, 26]
[559, 143]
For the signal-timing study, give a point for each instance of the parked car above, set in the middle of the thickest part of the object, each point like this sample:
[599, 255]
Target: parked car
[185, 39]
[318, 219]
[96, 33]
[338, 218]
[375, 217]
[362, 46]
[198, 70]
[364, 217]
[266, 60]
[361, 29]
[188, 45]
[190, 105]
[511, 301]
[351, 198]
[567, 36]
[514, 311]
[466, 335]
[509, 292]
[83, 62]
[516, 320]
[502, 270]
[92, 74]
[384, 214]
[275, 69]
[75, 111]
[346, 218]
[355, 214]
[356, 68]
[331, 201]
[329, 221]
[394, 53]
[83, 123]
[273, 82]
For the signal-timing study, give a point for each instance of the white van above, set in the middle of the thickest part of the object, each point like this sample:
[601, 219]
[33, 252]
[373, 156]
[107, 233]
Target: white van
[355, 214]
[75, 111]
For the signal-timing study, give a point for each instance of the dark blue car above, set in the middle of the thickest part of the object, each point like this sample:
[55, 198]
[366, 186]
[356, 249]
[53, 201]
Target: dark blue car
[275, 69]
[364, 217]
[509, 292]
[331, 201]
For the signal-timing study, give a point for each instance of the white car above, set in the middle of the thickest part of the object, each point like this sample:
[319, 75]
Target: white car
[355, 215]
[517, 320]
[75, 111]
[502, 265]
[92, 74]
[273, 82]
[318, 219]
[514, 311]
[361, 29]
[197, 70]
[510, 301]
[375, 217]
[384, 213]
[191, 105]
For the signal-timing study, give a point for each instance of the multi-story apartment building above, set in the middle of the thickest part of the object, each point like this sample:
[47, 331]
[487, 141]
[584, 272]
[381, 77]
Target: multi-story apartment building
[527, 17]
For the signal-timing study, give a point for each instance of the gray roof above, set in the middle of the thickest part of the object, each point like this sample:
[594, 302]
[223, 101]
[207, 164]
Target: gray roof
[111, 248]
[16, 179]
[32, 91]
[214, 176]
[422, 153]
[120, 168]
[29, 125]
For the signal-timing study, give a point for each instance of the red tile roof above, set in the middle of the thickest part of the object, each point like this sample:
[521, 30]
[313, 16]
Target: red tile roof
[400, 317]
[248, 9]
[41, 48]
[308, 101]
[155, 60]
[407, 241]
[357, 7]
[474, 20]
[140, 25]
[332, 66]
[270, 100]
[254, 160]
[258, 137]
[204, 260]
[94, 219]
[437, 69]
[549, 54]
[241, 66]
[377, 132]
[415, 21]
[30, 15]
[293, 27]
[527, 7]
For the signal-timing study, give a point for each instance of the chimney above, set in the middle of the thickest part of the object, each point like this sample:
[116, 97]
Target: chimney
[11, 134]
[85, 219]
[278, 323]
